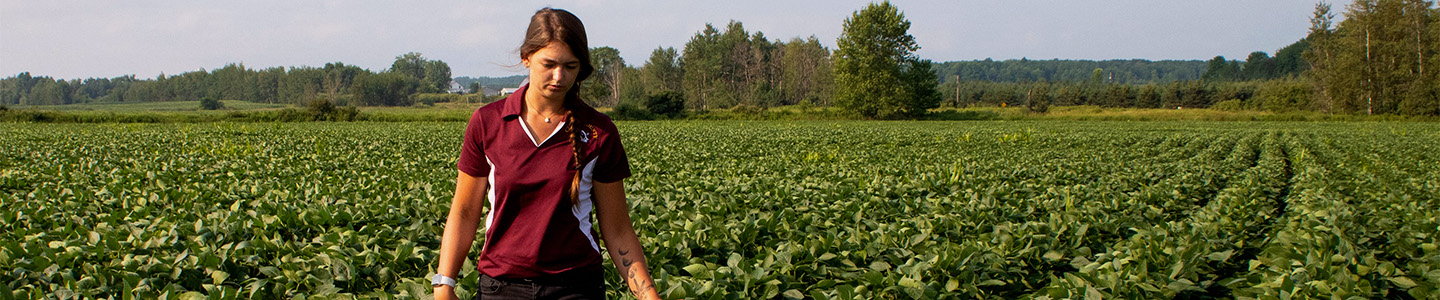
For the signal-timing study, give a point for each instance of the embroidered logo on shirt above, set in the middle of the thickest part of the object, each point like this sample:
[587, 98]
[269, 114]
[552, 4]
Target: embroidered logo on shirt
[584, 136]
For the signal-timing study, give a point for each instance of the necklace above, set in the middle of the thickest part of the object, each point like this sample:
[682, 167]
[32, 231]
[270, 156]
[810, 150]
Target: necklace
[547, 118]
[537, 111]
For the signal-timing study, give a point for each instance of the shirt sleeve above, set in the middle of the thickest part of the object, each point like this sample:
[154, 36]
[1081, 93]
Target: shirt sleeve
[611, 164]
[472, 150]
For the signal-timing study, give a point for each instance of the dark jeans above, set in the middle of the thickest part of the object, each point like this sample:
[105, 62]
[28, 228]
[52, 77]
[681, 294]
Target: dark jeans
[517, 289]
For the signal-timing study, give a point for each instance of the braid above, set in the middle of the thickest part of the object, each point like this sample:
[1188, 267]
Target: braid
[575, 146]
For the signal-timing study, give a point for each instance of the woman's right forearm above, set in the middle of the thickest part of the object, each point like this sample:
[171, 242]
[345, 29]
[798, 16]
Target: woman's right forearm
[460, 225]
[460, 229]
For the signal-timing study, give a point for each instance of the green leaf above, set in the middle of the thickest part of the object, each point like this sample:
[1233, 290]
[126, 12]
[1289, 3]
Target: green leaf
[1093, 294]
[1402, 282]
[218, 277]
[793, 294]
[1221, 256]
[910, 283]
[697, 270]
[991, 282]
[880, 265]
[1052, 255]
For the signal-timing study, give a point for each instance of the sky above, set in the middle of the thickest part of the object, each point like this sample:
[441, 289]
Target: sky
[98, 38]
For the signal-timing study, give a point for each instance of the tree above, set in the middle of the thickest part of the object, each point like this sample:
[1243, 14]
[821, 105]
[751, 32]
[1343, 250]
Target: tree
[475, 88]
[1376, 60]
[410, 64]
[603, 86]
[724, 69]
[1038, 98]
[876, 69]
[1149, 97]
[662, 72]
[1222, 69]
[1321, 55]
[388, 89]
[701, 68]
[1289, 61]
[806, 72]
[209, 103]
[437, 77]
[338, 78]
[1259, 66]
[433, 76]
[668, 104]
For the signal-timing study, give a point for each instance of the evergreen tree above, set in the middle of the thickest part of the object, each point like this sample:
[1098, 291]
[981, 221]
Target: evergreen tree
[662, 72]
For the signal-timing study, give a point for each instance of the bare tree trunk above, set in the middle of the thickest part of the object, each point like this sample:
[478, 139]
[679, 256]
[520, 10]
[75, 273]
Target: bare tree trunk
[613, 80]
[957, 91]
[1419, 43]
[1369, 84]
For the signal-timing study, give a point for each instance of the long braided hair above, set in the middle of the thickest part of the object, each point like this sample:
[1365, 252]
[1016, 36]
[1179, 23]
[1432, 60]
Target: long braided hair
[550, 25]
[581, 133]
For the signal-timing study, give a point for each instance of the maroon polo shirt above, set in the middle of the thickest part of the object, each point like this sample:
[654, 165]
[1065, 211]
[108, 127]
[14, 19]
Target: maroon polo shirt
[533, 229]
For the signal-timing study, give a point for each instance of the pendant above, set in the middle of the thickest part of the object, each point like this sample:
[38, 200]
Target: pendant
[547, 120]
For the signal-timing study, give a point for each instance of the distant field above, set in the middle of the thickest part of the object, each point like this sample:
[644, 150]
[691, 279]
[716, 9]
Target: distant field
[153, 106]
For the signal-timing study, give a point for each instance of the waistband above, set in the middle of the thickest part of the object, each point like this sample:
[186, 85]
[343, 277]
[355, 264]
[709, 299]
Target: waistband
[571, 277]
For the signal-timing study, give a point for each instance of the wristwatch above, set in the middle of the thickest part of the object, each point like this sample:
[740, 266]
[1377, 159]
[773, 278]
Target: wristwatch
[440, 280]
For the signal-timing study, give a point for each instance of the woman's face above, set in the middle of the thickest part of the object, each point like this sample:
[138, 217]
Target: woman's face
[552, 70]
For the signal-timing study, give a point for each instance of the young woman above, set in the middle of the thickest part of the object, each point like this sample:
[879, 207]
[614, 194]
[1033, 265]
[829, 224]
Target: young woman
[543, 159]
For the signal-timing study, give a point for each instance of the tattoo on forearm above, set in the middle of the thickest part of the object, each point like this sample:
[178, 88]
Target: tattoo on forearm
[625, 260]
[636, 286]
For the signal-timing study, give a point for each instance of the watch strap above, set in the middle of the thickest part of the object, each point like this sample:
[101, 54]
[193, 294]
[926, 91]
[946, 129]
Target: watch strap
[439, 280]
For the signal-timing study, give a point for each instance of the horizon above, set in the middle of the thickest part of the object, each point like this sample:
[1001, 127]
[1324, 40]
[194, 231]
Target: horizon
[477, 39]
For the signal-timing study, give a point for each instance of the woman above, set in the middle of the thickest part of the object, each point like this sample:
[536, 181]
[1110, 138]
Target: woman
[547, 160]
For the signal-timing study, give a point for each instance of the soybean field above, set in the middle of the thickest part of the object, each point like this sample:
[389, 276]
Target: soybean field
[747, 210]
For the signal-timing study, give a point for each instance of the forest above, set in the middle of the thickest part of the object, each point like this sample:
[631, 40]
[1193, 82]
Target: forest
[1381, 59]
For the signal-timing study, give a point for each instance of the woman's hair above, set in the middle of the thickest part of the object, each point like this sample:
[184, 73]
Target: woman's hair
[550, 25]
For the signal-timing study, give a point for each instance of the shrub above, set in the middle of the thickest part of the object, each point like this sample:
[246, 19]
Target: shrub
[629, 111]
[669, 104]
[429, 99]
[747, 110]
[208, 103]
[1229, 105]
[1283, 97]
[324, 110]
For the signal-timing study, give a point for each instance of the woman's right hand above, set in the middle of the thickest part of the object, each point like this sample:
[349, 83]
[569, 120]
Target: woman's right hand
[445, 292]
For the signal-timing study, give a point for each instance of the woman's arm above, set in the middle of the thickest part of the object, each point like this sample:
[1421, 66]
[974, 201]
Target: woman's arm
[619, 234]
[465, 215]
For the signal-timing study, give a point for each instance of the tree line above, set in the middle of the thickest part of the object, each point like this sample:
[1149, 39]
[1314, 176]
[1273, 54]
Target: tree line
[718, 68]
[1132, 71]
[337, 82]
[1373, 62]
[1381, 59]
